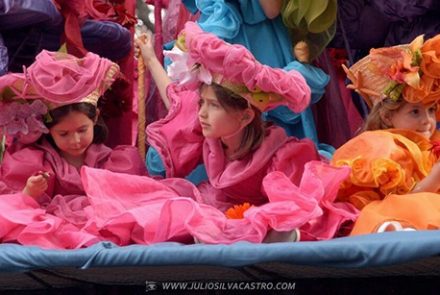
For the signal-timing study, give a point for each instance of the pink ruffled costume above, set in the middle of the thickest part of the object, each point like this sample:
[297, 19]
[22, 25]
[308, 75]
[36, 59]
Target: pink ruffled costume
[55, 220]
[59, 218]
[270, 177]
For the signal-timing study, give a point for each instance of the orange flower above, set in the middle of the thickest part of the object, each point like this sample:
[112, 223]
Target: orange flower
[387, 174]
[237, 211]
[431, 57]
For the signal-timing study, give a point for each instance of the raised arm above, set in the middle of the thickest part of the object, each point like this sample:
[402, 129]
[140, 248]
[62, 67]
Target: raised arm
[145, 44]
[271, 8]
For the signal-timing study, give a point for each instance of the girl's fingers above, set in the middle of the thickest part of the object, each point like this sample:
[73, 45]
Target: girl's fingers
[45, 174]
[38, 180]
[149, 35]
[141, 40]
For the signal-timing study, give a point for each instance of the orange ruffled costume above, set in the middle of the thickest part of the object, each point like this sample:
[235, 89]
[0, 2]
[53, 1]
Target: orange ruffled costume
[386, 165]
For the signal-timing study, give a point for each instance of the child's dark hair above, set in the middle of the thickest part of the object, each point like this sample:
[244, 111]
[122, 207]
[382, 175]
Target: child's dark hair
[374, 119]
[100, 130]
[253, 133]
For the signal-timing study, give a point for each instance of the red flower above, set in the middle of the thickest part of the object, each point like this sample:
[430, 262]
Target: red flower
[123, 17]
[435, 149]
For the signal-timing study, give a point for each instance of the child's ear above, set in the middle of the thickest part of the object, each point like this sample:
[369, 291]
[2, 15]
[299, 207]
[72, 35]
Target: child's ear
[301, 51]
[248, 116]
[385, 116]
[98, 111]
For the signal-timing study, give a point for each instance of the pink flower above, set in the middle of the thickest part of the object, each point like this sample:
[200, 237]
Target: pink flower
[22, 118]
[185, 70]
[6, 114]
[16, 125]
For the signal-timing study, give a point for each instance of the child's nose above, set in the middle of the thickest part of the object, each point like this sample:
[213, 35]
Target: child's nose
[426, 117]
[202, 112]
[76, 138]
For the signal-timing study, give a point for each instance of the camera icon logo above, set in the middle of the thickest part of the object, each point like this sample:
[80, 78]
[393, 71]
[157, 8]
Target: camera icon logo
[150, 286]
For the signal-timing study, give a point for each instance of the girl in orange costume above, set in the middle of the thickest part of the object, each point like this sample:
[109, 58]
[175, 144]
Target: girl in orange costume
[395, 176]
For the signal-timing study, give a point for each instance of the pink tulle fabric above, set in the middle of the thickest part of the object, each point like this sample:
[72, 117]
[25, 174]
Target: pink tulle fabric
[61, 78]
[59, 218]
[147, 211]
[234, 63]
[127, 209]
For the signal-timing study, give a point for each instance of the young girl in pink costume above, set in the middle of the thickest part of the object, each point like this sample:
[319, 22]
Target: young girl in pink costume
[395, 178]
[214, 118]
[51, 113]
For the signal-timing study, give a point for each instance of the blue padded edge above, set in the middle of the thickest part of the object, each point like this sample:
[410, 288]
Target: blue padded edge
[349, 252]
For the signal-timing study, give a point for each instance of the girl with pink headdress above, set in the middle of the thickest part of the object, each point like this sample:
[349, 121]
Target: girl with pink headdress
[214, 118]
[51, 114]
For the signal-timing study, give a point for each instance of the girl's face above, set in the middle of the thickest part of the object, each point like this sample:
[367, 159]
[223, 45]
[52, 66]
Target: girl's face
[73, 134]
[416, 117]
[216, 121]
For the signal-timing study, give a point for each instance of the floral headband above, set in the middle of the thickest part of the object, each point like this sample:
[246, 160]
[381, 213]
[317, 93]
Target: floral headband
[53, 80]
[410, 72]
[201, 57]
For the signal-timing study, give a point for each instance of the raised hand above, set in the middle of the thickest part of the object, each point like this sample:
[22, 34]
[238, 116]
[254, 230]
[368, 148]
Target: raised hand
[144, 45]
[37, 184]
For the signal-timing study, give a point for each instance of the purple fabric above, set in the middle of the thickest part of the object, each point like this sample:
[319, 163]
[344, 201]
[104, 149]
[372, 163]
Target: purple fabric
[19, 13]
[107, 39]
[377, 23]
[332, 118]
[405, 10]
[24, 44]
[364, 26]
[30, 26]
[409, 18]
[3, 57]
[404, 32]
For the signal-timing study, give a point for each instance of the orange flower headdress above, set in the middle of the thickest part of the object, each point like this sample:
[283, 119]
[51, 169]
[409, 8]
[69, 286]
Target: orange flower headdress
[410, 72]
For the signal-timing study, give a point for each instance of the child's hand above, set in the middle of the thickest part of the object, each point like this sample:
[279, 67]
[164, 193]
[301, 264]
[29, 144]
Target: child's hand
[436, 170]
[36, 185]
[431, 183]
[144, 46]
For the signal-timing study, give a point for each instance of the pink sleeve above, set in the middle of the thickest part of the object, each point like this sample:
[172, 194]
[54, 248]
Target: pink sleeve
[18, 166]
[178, 137]
[125, 159]
[291, 158]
